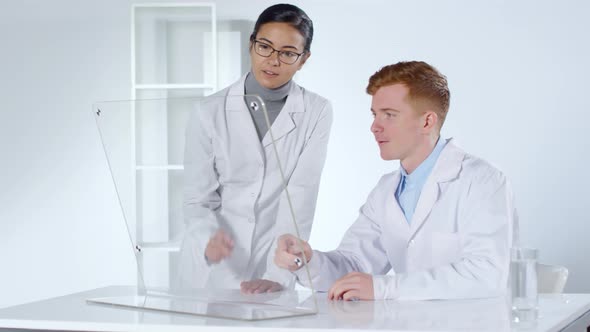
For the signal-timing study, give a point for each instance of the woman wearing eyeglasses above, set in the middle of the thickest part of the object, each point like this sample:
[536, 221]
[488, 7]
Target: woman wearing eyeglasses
[235, 204]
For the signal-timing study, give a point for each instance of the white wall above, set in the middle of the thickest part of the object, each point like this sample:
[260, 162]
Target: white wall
[518, 77]
[60, 228]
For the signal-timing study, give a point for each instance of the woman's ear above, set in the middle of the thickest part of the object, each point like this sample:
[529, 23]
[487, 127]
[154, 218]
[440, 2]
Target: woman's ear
[304, 58]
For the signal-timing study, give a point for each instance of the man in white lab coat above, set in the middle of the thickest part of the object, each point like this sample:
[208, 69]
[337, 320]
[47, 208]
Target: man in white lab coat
[442, 223]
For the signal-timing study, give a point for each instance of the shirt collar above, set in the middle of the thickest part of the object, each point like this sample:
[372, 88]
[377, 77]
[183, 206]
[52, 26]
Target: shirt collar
[420, 174]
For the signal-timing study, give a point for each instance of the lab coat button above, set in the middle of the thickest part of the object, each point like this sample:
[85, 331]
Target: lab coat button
[411, 242]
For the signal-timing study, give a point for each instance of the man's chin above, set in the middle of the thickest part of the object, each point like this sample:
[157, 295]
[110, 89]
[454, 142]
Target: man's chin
[388, 156]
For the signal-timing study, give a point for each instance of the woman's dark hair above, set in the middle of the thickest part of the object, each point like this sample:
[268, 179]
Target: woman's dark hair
[286, 13]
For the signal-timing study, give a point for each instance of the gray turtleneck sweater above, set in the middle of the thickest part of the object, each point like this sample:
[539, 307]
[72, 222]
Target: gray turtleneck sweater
[274, 99]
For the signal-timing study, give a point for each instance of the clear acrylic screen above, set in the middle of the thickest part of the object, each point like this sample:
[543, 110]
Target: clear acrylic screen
[187, 168]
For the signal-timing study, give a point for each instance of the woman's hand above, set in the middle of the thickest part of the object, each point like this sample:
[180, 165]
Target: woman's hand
[219, 247]
[260, 286]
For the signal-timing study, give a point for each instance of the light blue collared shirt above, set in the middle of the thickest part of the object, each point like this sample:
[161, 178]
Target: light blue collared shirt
[410, 185]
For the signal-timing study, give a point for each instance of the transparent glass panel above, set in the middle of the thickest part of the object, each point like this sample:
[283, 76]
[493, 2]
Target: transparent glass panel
[165, 93]
[203, 187]
[173, 45]
[159, 131]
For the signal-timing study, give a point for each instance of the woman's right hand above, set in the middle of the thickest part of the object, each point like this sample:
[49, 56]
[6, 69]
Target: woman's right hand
[219, 247]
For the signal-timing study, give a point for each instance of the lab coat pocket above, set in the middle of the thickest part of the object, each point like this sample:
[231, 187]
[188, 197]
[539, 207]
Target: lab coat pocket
[446, 248]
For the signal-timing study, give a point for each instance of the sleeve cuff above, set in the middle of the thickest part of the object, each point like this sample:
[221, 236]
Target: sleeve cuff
[314, 265]
[384, 287]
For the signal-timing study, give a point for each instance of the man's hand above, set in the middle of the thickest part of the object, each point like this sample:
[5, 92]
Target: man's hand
[258, 286]
[288, 252]
[219, 247]
[353, 286]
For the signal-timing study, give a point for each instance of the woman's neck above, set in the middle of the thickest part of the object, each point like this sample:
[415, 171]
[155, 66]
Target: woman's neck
[252, 87]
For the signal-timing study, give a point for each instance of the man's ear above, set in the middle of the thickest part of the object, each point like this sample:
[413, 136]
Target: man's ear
[430, 120]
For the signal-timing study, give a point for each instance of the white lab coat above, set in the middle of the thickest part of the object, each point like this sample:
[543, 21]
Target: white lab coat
[232, 182]
[456, 245]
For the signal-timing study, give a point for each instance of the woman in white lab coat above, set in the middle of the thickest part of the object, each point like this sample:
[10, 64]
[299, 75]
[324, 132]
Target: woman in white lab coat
[449, 239]
[235, 204]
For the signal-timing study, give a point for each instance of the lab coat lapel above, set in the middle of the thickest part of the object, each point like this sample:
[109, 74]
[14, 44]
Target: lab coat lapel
[395, 217]
[447, 167]
[284, 123]
[239, 121]
[428, 197]
[394, 225]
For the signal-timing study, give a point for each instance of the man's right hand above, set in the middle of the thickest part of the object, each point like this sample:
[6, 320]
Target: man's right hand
[289, 251]
[219, 247]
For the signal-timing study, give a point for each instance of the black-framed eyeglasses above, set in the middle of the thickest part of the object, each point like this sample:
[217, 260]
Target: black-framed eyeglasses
[265, 50]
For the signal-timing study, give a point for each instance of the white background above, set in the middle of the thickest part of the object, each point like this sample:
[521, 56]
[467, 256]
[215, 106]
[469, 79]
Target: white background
[518, 73]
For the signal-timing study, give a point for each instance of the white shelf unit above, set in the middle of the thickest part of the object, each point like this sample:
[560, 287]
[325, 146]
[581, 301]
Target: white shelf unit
[173, 54]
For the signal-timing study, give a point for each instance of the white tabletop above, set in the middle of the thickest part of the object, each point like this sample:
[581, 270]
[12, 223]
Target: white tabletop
[72, 312]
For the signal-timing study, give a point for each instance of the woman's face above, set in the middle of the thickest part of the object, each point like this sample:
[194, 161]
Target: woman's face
[269, 71]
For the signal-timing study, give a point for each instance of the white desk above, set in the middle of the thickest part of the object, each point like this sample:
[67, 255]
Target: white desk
[557, 312]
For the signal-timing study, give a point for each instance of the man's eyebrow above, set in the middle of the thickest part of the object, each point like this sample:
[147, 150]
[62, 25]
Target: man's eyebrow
[386, 109]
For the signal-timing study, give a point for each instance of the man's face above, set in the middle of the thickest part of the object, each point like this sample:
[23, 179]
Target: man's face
[397, 127]
[269, 71]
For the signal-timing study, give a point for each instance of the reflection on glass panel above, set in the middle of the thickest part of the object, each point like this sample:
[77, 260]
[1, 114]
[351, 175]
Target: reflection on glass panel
[202, 186]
